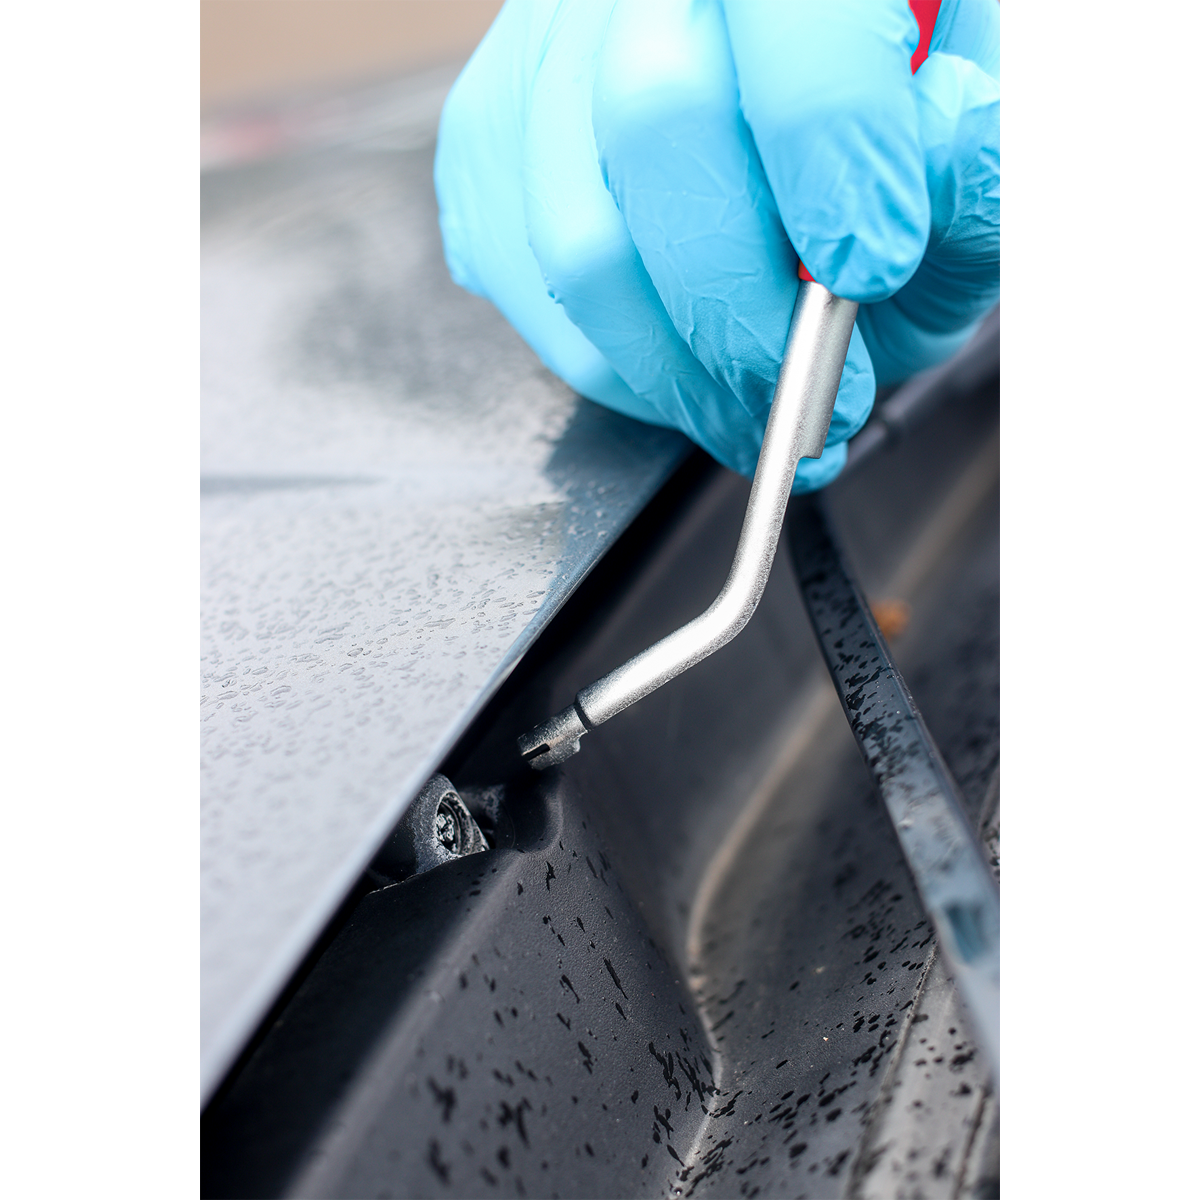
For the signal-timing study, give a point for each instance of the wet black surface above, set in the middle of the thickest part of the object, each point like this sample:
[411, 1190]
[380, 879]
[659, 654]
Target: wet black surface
[941, 849]
[475, 1008]
[817, 941]
[645, 992]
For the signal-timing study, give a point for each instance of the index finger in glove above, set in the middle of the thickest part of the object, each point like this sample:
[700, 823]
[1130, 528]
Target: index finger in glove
[591, 266]
[680, 162]
[827, 92]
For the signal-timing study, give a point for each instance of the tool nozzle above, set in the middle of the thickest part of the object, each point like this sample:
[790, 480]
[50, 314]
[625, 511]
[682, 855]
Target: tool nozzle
[553, 741]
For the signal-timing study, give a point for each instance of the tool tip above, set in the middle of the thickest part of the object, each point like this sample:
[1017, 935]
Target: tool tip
[553, 741]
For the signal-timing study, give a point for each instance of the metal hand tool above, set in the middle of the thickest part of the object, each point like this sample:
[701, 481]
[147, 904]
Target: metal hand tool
[813, 357]
[801, 409]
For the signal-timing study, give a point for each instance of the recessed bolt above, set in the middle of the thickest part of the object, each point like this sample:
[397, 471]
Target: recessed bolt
[447, 829]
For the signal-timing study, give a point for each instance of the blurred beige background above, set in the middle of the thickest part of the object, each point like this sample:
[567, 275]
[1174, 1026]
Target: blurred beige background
[251, 49]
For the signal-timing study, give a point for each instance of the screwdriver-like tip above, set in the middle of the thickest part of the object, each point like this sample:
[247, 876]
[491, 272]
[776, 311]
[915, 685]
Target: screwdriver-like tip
[553, 741]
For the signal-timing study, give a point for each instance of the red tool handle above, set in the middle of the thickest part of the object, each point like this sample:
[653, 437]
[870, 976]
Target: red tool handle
[926, 12]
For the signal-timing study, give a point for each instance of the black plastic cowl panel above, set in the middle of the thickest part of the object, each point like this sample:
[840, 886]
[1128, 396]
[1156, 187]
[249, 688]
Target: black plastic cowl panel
[503, 1024]
[572, 1013]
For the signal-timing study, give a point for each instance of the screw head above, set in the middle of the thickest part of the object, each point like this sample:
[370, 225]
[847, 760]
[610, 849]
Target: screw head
[446, 827]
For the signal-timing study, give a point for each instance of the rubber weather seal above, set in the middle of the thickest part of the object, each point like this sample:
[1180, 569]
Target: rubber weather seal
[955, 883]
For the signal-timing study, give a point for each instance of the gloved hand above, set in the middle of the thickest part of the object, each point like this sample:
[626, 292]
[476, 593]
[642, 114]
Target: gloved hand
[629, 182]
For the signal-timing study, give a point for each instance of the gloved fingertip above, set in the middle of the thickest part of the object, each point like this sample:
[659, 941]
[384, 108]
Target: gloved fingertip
[868, 268]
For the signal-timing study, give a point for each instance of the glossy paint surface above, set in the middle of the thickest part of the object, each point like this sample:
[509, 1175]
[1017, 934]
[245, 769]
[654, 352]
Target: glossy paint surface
[396, 497]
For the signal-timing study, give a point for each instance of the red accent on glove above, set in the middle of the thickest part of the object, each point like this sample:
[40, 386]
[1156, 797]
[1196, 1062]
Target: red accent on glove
[926, 12]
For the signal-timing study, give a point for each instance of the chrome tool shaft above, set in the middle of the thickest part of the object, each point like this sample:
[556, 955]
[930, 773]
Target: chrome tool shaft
[801, 409]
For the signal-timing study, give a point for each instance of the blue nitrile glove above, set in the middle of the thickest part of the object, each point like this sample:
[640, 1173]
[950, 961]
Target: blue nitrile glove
[629, 182]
